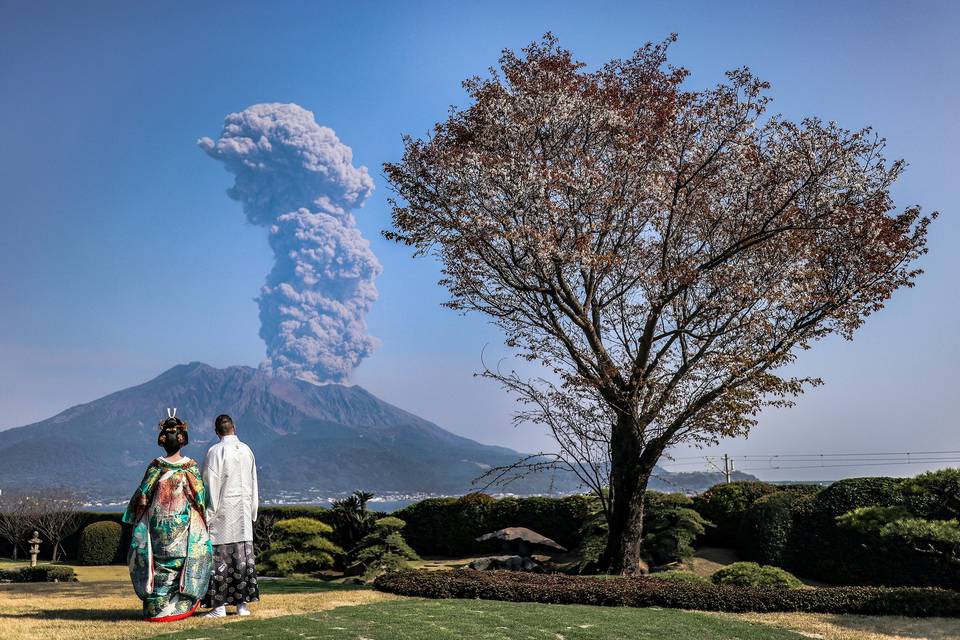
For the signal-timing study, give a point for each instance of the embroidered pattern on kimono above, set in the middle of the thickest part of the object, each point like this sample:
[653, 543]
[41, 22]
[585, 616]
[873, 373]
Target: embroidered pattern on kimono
[170, 552]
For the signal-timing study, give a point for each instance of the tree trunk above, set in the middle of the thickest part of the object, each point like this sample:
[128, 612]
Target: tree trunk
[630, 471]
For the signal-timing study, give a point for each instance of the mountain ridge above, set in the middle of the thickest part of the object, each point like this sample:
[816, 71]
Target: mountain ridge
[311, 441]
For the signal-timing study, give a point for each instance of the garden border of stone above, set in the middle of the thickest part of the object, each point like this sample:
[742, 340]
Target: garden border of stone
[616, 591]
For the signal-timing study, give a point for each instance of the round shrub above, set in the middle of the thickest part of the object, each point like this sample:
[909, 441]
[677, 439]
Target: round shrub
[766, 530]
[685, 577]
[725, 505]
[100, 543]
[751, 574]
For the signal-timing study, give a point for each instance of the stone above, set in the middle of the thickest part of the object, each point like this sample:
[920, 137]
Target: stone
[508, 563]
[521, 541]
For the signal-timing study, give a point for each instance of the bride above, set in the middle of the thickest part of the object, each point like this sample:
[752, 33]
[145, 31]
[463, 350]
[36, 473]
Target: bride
[170, 553]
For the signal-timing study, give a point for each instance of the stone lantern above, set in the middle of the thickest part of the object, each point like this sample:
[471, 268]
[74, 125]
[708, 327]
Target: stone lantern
[34, 548]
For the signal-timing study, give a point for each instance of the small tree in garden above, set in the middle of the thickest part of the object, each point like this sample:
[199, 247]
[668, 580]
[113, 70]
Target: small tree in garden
[662, 252]
[383, 549]
[300, 545]
[16, 521]
[352, 521]
[56, 514]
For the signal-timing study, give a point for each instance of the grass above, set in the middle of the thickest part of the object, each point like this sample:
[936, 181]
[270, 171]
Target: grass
[486, 620]
[102, 607]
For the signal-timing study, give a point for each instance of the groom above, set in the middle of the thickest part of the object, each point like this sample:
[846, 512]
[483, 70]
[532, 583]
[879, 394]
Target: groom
[230, 475]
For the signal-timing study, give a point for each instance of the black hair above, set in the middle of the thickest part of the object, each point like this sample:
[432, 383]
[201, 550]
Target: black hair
[223, 425]
[174, 435]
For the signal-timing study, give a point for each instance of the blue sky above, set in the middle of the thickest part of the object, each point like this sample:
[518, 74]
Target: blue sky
[120, 254]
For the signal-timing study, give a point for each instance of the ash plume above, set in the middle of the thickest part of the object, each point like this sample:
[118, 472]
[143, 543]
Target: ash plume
[297, 179]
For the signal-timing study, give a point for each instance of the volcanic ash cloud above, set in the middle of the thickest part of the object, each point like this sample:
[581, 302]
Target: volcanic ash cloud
[296, 178]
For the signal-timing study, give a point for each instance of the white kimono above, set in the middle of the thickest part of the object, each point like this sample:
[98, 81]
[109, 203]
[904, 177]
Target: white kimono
[230, 476]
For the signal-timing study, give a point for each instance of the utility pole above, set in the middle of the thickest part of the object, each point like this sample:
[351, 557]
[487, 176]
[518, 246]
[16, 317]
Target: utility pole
[727, 467]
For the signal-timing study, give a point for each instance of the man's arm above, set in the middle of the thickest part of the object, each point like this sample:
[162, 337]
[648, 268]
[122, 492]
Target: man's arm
[256, 490]
[211, 479]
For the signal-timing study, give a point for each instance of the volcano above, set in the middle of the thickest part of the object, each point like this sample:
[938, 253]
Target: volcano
[309, 439]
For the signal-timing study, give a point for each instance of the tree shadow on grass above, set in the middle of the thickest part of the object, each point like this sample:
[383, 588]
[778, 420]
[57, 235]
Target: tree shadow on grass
[90, 615]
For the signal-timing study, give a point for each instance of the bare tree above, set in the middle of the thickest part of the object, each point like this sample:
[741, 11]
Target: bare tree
[56, 514]
[16, 521]
[663, 252]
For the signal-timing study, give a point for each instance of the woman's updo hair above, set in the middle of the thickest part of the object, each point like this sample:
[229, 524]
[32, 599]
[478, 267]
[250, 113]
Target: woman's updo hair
[174, 435]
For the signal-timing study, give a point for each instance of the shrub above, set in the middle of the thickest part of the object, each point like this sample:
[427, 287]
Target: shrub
[649, 592]
[670, 526]
[766, 531]
[384, 549]
[824, 550]
[751, 574]
[934, 495]
[725, 505]
[39, 573]
[100, 543]
[300, 545]
[450, 526]
[686, 577]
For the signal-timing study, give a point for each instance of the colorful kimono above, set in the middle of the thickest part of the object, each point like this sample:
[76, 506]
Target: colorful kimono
[170, 553]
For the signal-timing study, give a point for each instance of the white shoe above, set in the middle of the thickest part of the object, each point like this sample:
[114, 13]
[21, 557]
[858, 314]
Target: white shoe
[243, 609]
[219, 612]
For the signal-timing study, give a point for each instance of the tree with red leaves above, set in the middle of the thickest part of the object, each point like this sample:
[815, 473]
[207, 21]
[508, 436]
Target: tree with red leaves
[663, 252]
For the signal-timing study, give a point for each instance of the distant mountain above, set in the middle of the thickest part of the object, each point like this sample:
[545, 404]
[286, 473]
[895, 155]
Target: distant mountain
[309, 440]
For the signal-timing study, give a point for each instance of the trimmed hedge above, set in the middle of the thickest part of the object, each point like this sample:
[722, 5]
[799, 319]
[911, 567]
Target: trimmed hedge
[450, 526]
[725, 506]
[100, 543]
[39, 573]
[766, 531]
[646, 592]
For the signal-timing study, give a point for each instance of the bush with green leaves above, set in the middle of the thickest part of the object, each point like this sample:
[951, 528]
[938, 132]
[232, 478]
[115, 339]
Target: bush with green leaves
[519, 586]
[383, 549]
[767, 530]
[751, 574]
[670, 525]
[934, 495]
[100, 543]
[685, 577]
[901, 530]
[725, 506]
[39, 573]
[450, 526]
[300, 545]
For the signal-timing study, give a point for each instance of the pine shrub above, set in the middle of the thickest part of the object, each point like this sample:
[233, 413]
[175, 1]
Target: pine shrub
[300, 545]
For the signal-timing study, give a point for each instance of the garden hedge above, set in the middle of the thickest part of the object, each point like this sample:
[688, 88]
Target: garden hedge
[100, 543]
[39, 573]
[725, 506]
[646, 592]
[766, 531]
[449, 526]
[822, 550]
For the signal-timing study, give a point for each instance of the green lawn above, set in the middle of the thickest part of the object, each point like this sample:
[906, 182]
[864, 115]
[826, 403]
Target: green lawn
[486, 620]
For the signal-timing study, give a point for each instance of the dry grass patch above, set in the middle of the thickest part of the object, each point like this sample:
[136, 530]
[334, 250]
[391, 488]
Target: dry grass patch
[847, 627]
[102, 606]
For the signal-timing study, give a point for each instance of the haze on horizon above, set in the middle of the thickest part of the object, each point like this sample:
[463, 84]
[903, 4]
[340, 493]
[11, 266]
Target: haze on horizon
[121, 256]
